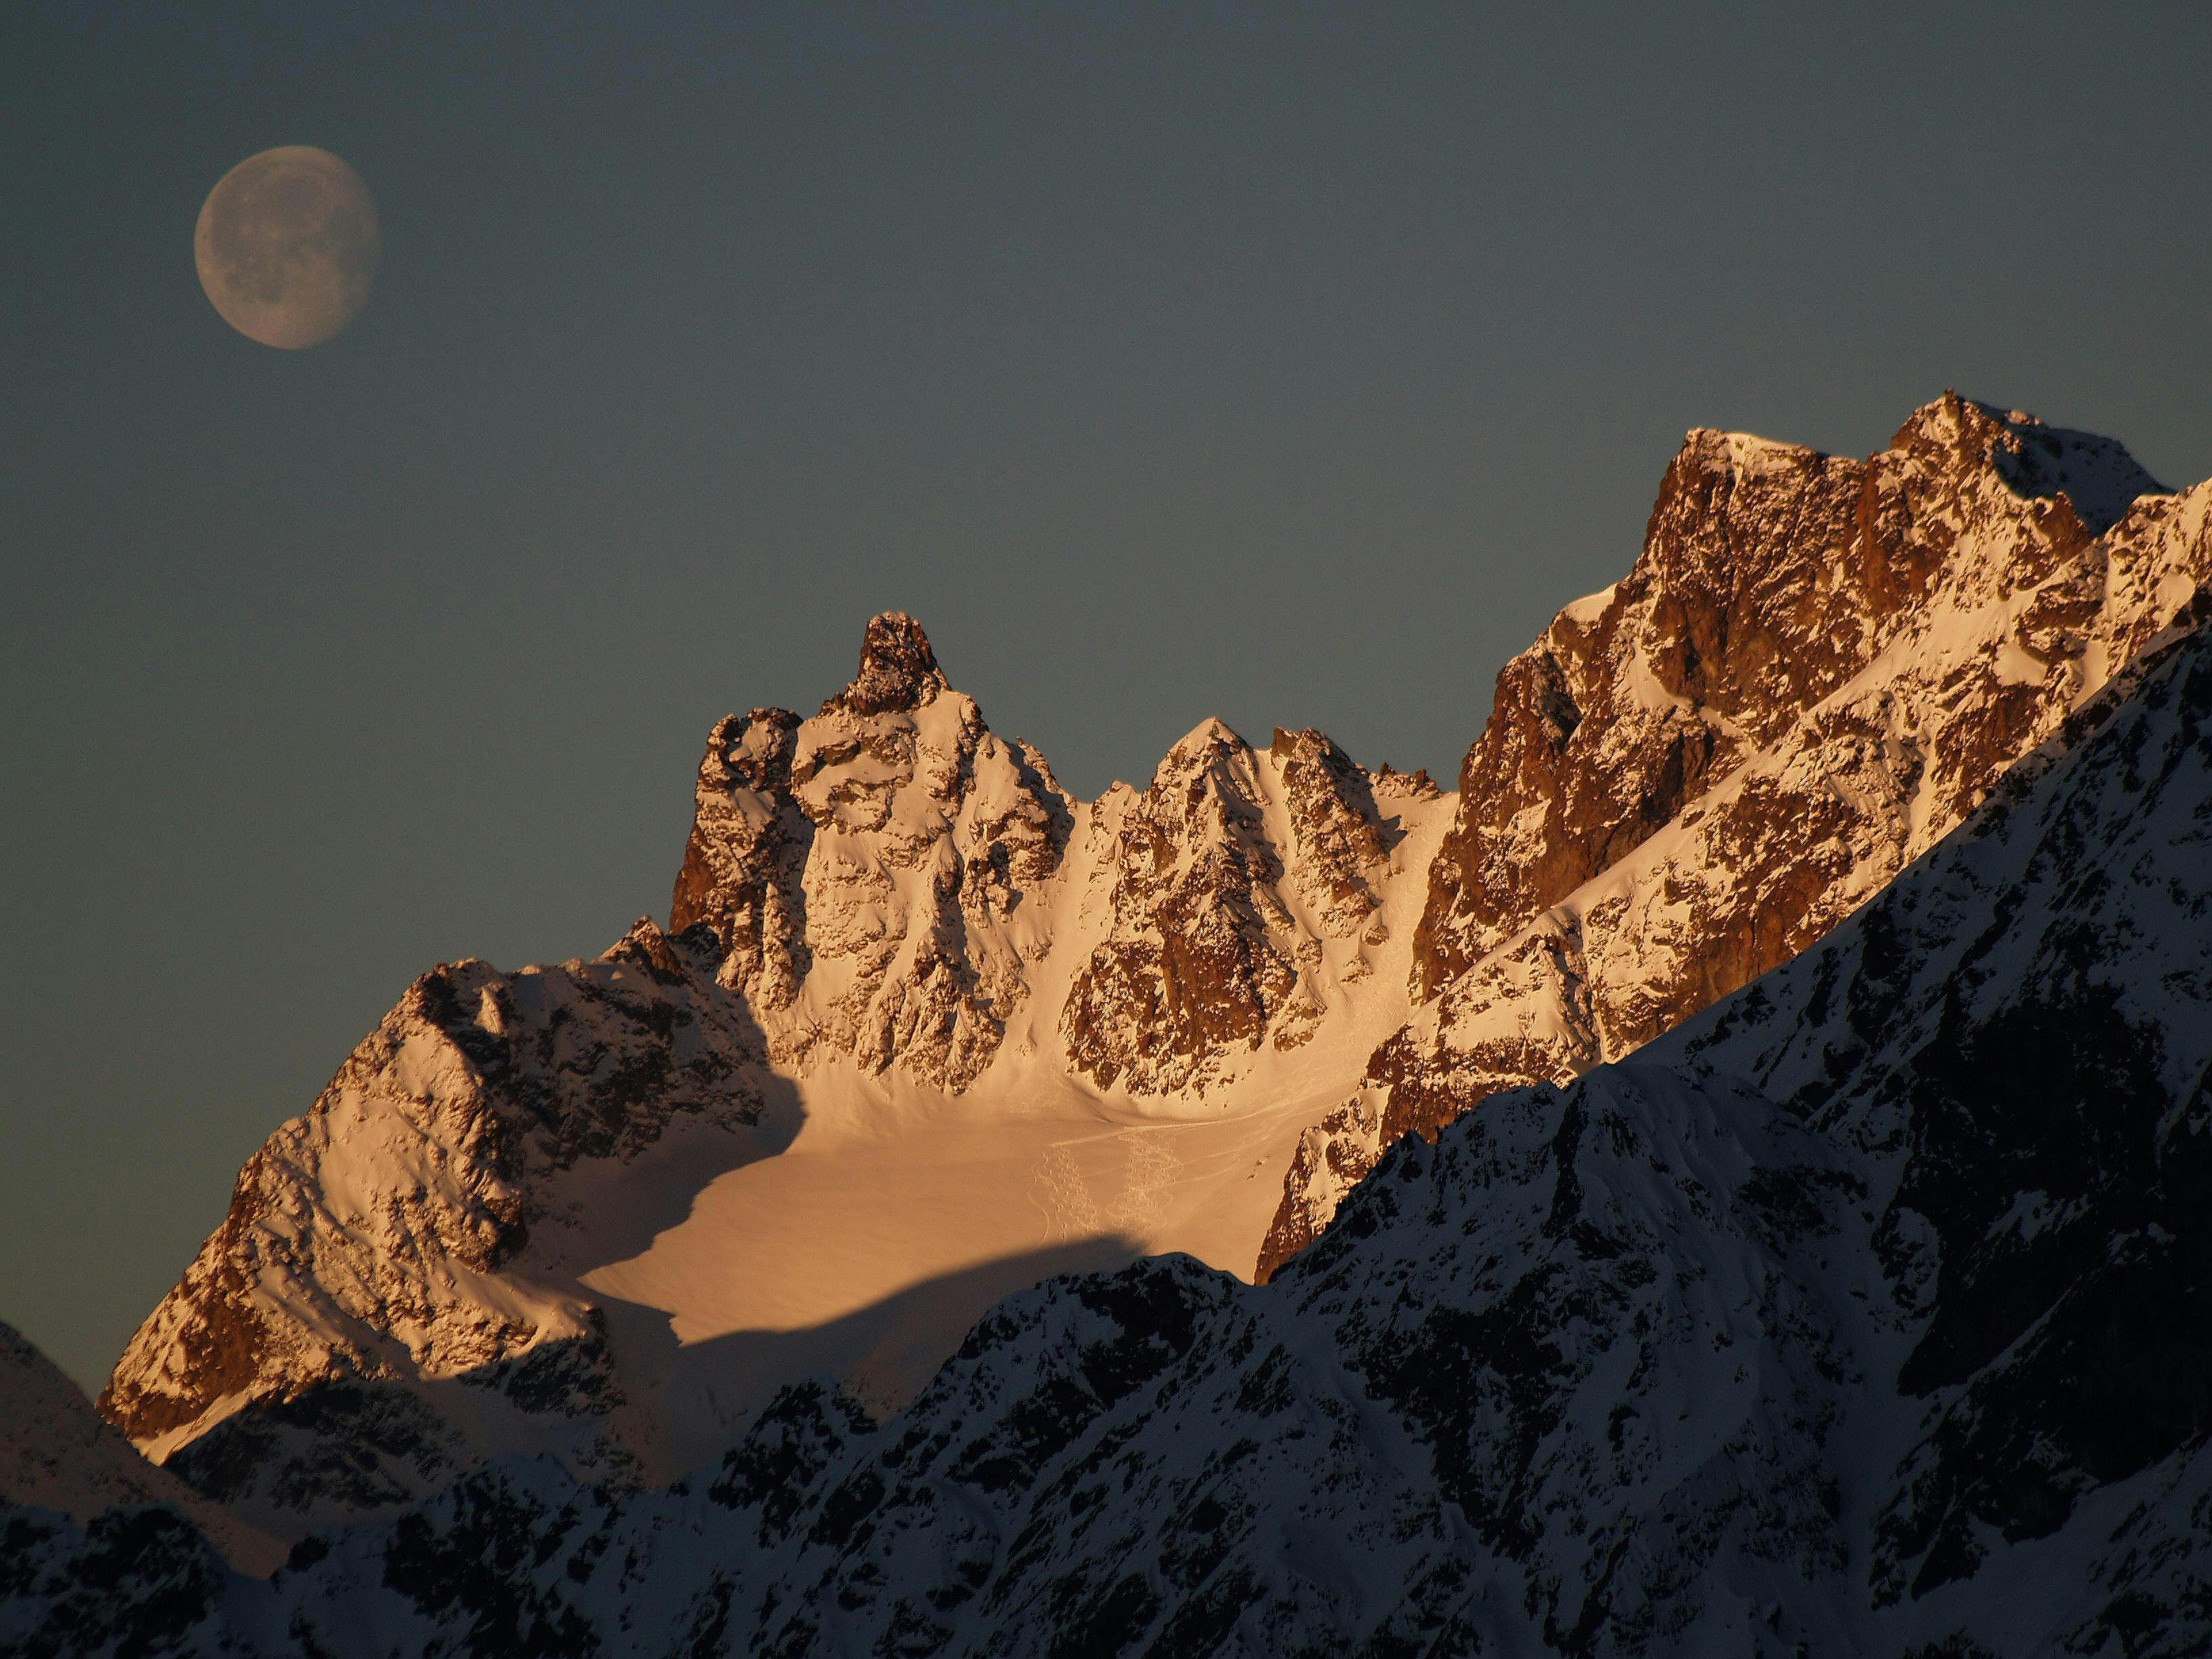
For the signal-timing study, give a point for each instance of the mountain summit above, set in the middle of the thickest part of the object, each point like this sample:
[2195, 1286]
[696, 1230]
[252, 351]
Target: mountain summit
[1862, 1312]
[924, 1028]
[898, 670]
[1816, 670]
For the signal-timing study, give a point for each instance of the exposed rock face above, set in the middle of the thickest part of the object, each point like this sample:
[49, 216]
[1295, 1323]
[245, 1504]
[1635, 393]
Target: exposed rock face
[864, 868]
[1343, 838]
[1205, 954]
[877, 887]
[374, 1240]
[744, 874]
[1864, 1314]
[1817, 668]
[1201, 954]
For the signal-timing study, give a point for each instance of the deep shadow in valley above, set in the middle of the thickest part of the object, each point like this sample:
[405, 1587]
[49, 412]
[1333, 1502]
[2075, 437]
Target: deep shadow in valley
[882, 1355]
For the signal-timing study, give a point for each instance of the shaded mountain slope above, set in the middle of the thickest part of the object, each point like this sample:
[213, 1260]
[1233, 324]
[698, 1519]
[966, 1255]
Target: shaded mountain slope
[56, 1453]
[1817, 668]
[1862, 1315]
[923, 1026]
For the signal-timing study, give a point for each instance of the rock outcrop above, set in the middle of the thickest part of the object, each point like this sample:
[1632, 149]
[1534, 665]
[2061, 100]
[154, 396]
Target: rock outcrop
[337, 1343]
[1817, 668]
[1862, 1314]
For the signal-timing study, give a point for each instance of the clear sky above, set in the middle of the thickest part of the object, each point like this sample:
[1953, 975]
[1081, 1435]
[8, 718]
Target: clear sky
[1290, 363]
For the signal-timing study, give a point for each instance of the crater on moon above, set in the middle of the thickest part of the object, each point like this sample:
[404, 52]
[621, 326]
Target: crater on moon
[287, 245]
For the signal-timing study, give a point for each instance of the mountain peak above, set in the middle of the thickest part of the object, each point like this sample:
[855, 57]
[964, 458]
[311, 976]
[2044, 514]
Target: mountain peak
[1741, 453]
[1958, 437]
[2096, 474]
[898, 670]
[1209, 735]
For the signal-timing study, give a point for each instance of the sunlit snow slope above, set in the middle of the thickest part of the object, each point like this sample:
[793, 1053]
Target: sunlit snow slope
[1867, 1313]
[924, 1029]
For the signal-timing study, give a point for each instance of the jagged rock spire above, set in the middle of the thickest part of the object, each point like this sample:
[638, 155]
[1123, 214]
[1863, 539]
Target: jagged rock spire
[898, 671]
[1818, 666]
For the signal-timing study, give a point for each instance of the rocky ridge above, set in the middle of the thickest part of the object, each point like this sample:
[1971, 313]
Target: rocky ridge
[873, 891]
[1861, 1314]
[57, 1455]
[368, 1310]
[1818, 667]
[884, 878]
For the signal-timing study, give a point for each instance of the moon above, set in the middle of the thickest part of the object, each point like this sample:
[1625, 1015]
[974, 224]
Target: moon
[287, 246]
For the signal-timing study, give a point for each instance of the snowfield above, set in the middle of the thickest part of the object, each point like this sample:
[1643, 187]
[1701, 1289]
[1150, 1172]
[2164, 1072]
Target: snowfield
[1732, 1177]
[1863, 1314]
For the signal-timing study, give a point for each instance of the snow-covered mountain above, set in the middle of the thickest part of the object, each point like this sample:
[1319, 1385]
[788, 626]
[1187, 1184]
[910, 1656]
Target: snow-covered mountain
[1818, 667]
[387, 1297]
[1862, 1314]
[56, 1454]
[924, 1029]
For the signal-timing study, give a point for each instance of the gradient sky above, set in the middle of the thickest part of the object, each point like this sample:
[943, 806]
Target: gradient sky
[1290, 363]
